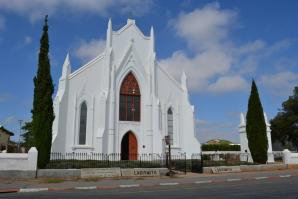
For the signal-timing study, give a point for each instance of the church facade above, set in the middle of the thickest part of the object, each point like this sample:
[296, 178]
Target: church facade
[122, 101]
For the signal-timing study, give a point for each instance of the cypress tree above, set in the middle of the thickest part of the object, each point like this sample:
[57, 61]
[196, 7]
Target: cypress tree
[256, 127]
[42, 112]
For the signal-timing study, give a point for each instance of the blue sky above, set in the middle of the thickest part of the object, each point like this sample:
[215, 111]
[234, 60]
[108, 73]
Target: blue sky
[221, 45]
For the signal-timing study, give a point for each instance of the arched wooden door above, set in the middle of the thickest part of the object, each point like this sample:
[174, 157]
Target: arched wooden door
[129, 147]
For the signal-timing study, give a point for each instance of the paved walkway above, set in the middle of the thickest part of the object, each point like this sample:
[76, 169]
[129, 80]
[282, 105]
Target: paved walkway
[15, 185]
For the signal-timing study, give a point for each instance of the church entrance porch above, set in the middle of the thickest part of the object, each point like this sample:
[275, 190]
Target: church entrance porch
[129, 147]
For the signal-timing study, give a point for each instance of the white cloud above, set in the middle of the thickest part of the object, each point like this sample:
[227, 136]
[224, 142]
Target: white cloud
[280, 45]
[37, 9]
[27, 40]
[206, 32]
[2, 23]
[252, 47]
[228, 83]
[89, 50]
[206, 27]
[8, 120]
[207, 130]
[34, 9]
[135, 7]
[281, 83]
[199, 68]
[217, 64]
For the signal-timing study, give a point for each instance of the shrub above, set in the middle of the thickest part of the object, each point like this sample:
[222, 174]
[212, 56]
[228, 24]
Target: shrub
[220, 147]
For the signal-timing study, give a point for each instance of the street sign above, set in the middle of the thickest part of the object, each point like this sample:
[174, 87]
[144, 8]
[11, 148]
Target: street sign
[168, 140]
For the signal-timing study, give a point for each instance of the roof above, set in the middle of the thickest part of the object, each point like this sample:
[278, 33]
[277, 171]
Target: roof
[219, 141]
[6, 131]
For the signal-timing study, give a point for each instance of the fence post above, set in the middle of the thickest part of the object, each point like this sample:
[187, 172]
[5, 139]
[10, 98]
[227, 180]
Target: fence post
[140, 161]
[202, 162]
[286, 156]
[185, 163]
[32, 158]
[73, 159]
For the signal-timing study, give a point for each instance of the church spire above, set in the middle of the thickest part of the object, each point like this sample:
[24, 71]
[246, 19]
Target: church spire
[184, 81]
[242, 120]
[152, 39]
[109, 34]
[66, 69]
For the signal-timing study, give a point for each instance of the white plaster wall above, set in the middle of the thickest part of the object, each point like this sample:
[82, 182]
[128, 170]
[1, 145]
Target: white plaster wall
[134, 65]
[171, 94]
[19, 161]
[122, 38]
[290, 158]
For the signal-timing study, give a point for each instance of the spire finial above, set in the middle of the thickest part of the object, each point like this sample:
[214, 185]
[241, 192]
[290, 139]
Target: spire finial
[242, 120]
[152, 39]
[110, 23]
[184, 80]
[66, 67]
[266, 119]
[109, 34]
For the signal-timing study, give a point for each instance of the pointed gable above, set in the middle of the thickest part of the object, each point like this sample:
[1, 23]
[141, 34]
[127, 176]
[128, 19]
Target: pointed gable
[128, 35]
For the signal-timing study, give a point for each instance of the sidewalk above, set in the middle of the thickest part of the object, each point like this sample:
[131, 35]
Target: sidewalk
[190, 178]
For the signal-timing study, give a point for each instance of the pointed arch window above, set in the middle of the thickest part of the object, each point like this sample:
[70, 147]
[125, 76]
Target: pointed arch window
[83, 124]
[130, 99]
[170, 123]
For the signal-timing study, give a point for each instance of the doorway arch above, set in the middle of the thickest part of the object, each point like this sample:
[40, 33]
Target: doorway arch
[129, 147]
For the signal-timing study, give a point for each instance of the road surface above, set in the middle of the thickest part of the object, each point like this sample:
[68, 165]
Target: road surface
[253, 189]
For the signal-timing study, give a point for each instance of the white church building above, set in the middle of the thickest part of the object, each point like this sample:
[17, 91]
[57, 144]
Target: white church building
[122, 101]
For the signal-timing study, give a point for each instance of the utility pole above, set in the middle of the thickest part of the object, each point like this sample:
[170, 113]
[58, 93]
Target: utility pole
[20, 122]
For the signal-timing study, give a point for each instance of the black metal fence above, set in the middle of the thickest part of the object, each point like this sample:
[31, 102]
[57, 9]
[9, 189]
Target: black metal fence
[101, 160]
[181, 162]
[278, 156]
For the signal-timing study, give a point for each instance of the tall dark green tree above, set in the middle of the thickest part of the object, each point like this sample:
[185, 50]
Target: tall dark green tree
[28, 139]
[285, 124]
[42, 112]
[256, 127]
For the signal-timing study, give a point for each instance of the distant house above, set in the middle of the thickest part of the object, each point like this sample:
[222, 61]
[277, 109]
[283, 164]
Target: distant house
[219, 141]
[4, 138]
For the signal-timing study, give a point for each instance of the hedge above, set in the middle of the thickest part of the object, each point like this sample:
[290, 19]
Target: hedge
[220, 147]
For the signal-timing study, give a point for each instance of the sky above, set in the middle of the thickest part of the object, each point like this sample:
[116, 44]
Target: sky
[221, 45]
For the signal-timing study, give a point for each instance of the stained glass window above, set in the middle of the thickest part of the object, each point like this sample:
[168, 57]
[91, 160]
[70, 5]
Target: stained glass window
[130, 99]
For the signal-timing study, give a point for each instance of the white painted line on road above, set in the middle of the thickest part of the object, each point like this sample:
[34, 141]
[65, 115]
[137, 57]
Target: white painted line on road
[204, 181]
[129, 185]
[235, 179]
[168, 183]
[33, 190]
[261, 178]
[85, 188]
[285, 176]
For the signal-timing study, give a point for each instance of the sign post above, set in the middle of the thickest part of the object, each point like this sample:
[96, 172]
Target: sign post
[169, 142]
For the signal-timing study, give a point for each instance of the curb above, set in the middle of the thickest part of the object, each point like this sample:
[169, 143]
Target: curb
[30, 190]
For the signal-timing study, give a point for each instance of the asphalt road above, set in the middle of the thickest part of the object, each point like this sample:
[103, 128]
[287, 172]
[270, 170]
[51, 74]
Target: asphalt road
[263, 188]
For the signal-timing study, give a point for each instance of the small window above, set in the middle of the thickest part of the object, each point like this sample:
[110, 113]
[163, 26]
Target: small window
[83, 124]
